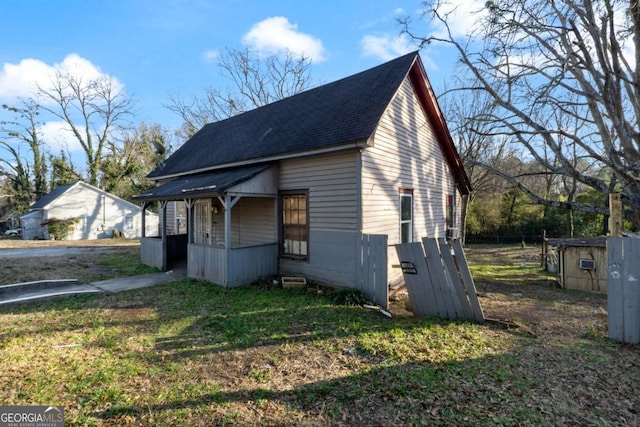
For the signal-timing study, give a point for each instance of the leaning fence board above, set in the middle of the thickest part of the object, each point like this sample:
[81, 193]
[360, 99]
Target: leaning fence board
[623, 289]
[433, 277]
[467, 280]
[414, 269]
[444, 292]
[454, 277]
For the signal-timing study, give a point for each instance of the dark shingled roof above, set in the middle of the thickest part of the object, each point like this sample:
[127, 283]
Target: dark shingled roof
[598, 242]
[212, 183]
[338, 113]
[54, 194]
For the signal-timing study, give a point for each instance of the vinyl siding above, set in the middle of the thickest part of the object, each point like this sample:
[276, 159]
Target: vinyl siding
[332, 184]
[253, 221]
[405, 154]
[98, 214]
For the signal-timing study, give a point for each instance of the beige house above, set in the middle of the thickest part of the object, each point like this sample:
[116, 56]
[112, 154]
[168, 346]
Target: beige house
[321, 184]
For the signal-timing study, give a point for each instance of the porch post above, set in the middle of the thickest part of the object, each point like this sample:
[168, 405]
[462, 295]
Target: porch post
[227, 222]
[163, 233]
[143, 233]
[228, 203]
[190, 203]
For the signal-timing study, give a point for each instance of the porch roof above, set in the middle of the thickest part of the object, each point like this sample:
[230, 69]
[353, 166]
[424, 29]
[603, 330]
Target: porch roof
[208, 184]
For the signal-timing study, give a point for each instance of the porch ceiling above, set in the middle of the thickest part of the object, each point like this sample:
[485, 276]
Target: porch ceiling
[209, 184]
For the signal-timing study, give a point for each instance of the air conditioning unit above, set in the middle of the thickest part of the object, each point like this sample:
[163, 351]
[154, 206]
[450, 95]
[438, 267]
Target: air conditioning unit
[453, 233]
[587, 264]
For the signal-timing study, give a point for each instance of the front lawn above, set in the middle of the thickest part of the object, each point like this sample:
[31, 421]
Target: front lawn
[189, 353]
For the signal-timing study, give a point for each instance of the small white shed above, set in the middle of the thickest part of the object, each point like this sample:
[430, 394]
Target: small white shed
[95, 215]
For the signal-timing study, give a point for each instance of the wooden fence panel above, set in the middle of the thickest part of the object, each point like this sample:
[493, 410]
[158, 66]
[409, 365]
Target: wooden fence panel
[416, 277]
[454, 277]
[374, 268]
[623, 289]
[467, 280]
[437, 284]
[444, 292]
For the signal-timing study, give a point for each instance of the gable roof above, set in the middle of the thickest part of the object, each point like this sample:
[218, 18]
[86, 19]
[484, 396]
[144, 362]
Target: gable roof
[45, 201]
[334, 116]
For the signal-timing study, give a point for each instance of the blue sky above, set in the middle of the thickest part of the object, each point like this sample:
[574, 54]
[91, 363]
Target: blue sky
[155, 48]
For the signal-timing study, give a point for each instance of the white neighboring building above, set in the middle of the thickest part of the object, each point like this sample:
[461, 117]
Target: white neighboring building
[97, 214]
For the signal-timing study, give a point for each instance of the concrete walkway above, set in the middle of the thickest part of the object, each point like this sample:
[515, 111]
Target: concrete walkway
[24, 293]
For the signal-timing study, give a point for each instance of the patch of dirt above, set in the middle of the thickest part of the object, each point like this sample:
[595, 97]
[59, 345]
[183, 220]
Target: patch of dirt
[529, 300]
[18, 243]
[83, 266]
[539, 304]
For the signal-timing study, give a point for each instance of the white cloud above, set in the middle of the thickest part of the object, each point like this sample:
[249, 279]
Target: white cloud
[19, 80]
[57, 136]
[462, 16]
[210, 56]
[386, 46]
[276, 35]
[22, 79]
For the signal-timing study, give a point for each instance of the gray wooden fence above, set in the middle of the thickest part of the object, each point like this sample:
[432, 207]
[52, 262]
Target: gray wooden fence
[623, 289]
[438, 279]
[373, 273]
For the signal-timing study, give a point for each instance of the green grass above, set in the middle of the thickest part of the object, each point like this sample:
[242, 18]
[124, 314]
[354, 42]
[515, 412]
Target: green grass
[190, 353]
[126, 264]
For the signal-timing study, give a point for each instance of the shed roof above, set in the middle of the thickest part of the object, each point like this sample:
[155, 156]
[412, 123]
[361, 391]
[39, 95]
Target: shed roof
[212, 183]
[598, 242]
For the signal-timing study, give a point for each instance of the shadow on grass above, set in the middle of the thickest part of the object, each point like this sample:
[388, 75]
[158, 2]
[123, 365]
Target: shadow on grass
[506, 389]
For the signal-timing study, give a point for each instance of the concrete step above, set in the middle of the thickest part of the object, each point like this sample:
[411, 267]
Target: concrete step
[7, 291]
[45, 294]
[22, 293]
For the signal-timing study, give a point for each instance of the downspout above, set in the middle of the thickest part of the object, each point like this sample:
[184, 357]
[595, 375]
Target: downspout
[358, 248]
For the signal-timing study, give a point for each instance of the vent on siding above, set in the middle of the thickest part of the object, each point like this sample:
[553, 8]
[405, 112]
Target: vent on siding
[453, 233]
[587, 264]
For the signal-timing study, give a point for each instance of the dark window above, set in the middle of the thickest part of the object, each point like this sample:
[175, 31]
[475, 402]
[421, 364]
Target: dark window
[450, 215]
[295, 225]
[406, 216]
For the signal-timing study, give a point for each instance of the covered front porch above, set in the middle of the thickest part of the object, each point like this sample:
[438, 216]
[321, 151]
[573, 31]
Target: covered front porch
[231, 225]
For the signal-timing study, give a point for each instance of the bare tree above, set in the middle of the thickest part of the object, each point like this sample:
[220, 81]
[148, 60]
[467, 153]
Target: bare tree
[23, 129]
[92, 109]
[255, 81]
[536, 58]
[126, 165]
[476, 144]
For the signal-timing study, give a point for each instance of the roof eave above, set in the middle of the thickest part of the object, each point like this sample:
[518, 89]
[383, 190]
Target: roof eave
[358, 144]
[420, 82]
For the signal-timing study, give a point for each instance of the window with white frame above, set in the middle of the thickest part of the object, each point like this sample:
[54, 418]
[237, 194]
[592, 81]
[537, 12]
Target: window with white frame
[128, 222]
[406, 215]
